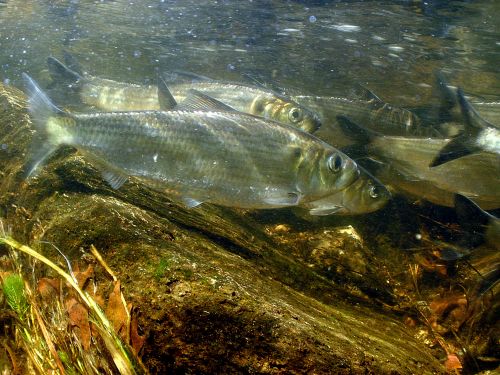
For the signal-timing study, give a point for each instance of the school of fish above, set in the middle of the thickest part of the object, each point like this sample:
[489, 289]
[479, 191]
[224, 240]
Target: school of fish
[244, 145]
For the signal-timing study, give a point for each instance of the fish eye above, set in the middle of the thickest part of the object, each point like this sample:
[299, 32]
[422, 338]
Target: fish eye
[373, 191]
[295, 115]
[335, 163]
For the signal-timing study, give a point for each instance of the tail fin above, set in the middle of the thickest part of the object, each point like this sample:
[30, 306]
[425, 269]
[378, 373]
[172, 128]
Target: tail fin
[42, 110]
[466, 142]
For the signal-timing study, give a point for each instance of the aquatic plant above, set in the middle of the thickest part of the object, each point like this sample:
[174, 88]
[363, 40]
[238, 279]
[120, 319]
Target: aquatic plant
[45, 332]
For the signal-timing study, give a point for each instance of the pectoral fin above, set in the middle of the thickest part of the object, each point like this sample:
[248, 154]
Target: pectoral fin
[290, 199]
[332, 210]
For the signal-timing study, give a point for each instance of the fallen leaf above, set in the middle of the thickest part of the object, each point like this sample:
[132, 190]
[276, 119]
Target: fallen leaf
[83, 276]
[79, 317]
[452, 363]
[115, 311]
[136, 340]
[48, 288]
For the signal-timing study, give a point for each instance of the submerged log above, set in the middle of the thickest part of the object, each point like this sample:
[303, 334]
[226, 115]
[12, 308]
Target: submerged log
[217, 292]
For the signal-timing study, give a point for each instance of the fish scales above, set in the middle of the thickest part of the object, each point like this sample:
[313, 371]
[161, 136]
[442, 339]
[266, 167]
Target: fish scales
[224, 158]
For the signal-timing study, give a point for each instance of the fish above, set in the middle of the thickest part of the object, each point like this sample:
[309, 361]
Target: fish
[212, 155]
[365, 195]
[478, 135]
[404, 165]
[111, 95]
[368, 109]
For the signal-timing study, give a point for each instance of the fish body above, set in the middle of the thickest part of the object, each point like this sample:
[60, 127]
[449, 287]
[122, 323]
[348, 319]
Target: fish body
[363, 196]
[405, 166]
[111, 95]
[225, 158]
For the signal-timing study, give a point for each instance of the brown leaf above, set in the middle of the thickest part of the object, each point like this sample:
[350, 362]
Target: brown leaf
[79, 317]
[48, 288]
[136, 340]
[115, 310]
[452, 363]
[83, 276]
[448, 312]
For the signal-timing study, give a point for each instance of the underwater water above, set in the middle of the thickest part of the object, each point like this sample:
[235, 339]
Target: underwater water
[414, 250]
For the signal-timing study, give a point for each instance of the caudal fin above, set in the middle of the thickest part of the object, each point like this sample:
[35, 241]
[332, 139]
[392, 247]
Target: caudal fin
[466, 142]
[42, 110]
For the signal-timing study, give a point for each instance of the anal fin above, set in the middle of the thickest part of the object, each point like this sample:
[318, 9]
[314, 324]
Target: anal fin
[191, 203]
[113, 178]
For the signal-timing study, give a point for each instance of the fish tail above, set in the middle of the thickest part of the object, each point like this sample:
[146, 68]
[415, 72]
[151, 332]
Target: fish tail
[60, 73]
[466, 142]
[44, 115]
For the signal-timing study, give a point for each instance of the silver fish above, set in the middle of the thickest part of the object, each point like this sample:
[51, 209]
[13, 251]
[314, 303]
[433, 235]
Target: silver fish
[111, 95]
[222, 157]
[406, 162]
[364, 195]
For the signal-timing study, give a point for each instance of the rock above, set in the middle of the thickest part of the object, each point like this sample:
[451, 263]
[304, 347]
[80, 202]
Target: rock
[217, 291]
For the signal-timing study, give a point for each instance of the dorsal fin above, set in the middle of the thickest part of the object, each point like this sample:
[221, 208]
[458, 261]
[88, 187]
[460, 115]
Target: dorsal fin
[363, 93]
[197, 101]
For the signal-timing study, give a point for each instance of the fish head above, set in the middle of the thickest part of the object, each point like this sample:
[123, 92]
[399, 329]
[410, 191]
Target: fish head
[334, 172]
[365, 195]
[286, 111]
